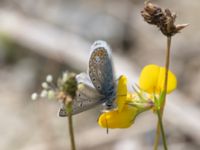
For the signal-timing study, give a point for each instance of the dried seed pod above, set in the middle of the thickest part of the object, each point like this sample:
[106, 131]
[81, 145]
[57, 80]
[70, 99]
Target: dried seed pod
[163, 19]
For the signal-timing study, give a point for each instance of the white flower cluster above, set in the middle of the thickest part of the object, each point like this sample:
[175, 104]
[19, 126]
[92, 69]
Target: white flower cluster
[48, 89]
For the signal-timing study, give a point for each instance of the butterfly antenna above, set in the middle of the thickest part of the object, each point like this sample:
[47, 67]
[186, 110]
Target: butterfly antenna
[107, 129]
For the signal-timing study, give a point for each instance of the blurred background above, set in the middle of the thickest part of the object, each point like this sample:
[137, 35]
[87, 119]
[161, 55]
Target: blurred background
[40, 37]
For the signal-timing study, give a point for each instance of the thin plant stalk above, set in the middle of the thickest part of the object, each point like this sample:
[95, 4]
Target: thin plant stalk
[161, 109]
[162, 129]
[71, 129]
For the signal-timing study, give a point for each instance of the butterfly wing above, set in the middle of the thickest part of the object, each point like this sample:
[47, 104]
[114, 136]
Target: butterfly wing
[101, 70]
[86, 96]
[99, 86]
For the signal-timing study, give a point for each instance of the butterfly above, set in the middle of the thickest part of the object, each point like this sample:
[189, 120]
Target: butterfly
[97, 86]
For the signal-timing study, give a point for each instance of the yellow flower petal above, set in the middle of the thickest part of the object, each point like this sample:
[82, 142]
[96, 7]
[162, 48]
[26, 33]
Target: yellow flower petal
[121, 92]
[152, 79]
[116, 119]
[148, 78]
[172, 82]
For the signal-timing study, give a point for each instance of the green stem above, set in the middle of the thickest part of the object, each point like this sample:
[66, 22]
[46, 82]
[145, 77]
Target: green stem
[162, 129]
[70, 125]
[167, 62]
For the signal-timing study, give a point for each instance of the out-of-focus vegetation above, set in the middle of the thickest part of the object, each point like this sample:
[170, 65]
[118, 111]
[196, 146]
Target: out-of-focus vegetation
[38, 37]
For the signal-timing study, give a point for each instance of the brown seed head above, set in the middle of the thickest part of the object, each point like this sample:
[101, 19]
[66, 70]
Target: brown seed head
[163, 19]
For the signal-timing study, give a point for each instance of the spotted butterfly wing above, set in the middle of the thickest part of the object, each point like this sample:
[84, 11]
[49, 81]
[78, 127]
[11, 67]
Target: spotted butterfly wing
[101, 71]
[97, 87]
[86, 96]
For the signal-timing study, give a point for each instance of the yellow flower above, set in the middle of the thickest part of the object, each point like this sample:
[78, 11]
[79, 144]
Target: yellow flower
[152, 79]
[116, 119]
[123, 116]
[130, 105]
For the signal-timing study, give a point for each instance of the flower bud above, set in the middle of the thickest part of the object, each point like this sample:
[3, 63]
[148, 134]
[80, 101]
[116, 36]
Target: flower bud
[34, 96]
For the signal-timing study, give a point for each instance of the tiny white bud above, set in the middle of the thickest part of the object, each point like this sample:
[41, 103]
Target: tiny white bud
[49, 78]
[43, 94]
[34, 96]
[51, 94]
[45, 85]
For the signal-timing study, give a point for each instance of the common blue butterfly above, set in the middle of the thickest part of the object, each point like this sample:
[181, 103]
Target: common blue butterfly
[97, 86]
